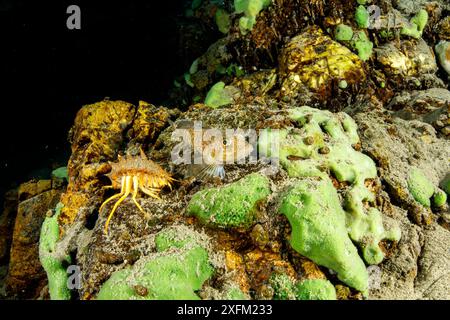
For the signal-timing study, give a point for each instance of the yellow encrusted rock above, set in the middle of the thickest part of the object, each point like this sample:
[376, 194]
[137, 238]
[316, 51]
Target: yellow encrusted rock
[314, 60]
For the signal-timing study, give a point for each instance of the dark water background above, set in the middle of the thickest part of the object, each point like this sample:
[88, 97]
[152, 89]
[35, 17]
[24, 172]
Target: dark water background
[124, 50]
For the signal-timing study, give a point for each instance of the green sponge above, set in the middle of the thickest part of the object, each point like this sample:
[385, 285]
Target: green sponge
[439, 198]
[231, 206]
[320, 144]
[417, 25]
[283, 287]
[218, 96]
[362, 17]
[316, 289]
[251, 8]
[420, 187]
[53, 265]
[176, 237]
[176, 272]
[363, 45]
[319, 230]
[61, 173]
[169, 277]
[343, 32]
[223, 20]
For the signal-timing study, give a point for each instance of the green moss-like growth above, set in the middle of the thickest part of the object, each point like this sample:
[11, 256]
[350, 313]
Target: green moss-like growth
[326, 142]
[187, 79]
[323, 146]
[319, 231]
[446, 184]
[218, 97]
[223, 20]
[416, 25]
[52, 264]
[439, 198]
[363, 46]
[343, 32]
[61, 173]
[178, 237]
[362, 17]
[251, 8]
[230, 206]
[420, 187]
[316, 289]
[283, 287]
[174, 274]
[234, 293]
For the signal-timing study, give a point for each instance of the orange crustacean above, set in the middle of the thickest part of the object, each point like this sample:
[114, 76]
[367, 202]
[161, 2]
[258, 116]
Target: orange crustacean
[132, 174]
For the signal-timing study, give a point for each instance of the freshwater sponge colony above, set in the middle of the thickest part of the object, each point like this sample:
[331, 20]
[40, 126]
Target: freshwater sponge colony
[51, 262]
[178, 269]
[232, 206]
[323, 143]
[319, 230]
[250, 8]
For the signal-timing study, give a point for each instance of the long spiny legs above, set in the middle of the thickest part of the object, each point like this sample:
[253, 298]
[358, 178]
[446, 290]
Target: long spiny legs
[150, 192]
[135, 192]
[130, 184]
[122, 190]
[125, 194]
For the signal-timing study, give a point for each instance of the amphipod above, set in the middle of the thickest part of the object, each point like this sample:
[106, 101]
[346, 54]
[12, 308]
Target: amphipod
[132, 174]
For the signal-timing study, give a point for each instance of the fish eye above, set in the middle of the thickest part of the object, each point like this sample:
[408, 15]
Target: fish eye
[225, 142]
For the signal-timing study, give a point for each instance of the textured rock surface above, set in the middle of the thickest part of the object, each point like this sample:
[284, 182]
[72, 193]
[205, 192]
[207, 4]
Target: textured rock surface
[25, 276]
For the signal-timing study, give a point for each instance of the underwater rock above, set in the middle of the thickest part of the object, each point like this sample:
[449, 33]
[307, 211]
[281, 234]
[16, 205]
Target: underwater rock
[256, 84]
[98, 133]
[312, 61]
[418, 269]
[175, 272]
[231, 206]
[7, 219]
[430, 106]
[397, 146]
[25, 274]
[433, 279]
[443, 28]
[148, 122]
[282, 20]
[443, 53]
[409, 61]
